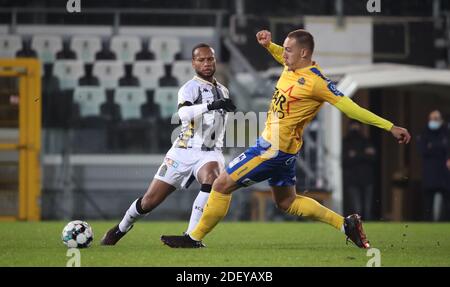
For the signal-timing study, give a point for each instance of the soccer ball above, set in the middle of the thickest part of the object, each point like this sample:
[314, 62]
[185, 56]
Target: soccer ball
[77, 234]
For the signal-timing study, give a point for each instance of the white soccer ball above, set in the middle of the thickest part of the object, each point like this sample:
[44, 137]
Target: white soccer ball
[77, 234]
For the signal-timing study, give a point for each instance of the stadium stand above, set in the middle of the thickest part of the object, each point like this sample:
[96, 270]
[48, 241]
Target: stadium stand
[183, 71]
[167, 99]
[168, 80]
[86, 47]
[9, 45]
[125, 47]
[148, 73]
[108, 72]
[89, 100]
[66, 53]
[166, 49]
[130, 100]
[68, 72]
[129, 79]
[46, 47]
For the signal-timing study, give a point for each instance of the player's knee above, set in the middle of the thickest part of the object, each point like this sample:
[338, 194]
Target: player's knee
[210, 178]
[284, 204]
[221, 185]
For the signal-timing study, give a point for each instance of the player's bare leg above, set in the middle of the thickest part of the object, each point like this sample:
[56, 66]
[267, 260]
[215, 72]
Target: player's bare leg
[156, 193]
[205, 176]
[287, 200]
[215, 209]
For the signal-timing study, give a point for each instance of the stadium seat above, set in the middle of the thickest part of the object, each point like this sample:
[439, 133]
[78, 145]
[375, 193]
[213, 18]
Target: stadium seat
[108, 73]
[86, 47]
[130, 100]
[148, 73]
[9, 45]
[183, 71]
[125, 47]
[46, 47]
[165, 48]
[68, 72]
[167, 99]
[89, 100]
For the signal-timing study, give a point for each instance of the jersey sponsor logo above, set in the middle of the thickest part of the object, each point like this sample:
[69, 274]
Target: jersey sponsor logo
[162, 170]
[238, 159]
[331, 86]
[172, 163]
[277, 107]
[318, 73]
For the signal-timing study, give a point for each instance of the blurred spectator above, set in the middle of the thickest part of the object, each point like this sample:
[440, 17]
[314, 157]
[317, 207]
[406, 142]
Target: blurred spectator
[128, 79]
[66, 53]
[434, 146]
[105, 53]
[358, 162]
[88, 79]
[26, 51]
[168, 80]
[144, 53]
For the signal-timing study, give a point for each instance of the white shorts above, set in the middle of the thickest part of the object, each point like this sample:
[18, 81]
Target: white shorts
[180, 164]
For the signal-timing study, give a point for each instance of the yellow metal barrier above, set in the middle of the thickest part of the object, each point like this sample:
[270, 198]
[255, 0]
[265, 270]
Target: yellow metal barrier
[28, 71]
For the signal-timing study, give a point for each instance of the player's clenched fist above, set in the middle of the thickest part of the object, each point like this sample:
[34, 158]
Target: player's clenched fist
[264, 38]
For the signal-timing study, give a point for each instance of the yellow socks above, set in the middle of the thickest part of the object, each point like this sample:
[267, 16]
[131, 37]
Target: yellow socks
[308, 207]
[215, 209]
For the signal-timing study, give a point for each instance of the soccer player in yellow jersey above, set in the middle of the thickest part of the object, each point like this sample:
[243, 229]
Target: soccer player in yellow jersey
[300, 92]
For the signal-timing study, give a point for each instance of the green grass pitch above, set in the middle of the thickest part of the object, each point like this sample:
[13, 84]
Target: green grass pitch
[231, 244]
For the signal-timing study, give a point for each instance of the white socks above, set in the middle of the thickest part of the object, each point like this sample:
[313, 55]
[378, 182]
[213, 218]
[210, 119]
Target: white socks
[131, 216]
[197, 210]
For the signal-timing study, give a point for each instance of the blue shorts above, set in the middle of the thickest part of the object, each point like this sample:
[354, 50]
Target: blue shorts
[259, 163]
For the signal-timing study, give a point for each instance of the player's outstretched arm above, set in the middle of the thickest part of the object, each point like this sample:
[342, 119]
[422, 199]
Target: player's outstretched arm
[354, 111]
[325, 90]
[264, 38]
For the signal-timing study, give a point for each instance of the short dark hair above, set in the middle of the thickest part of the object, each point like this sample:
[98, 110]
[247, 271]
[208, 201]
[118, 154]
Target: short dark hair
[201, 45]
[303, 38]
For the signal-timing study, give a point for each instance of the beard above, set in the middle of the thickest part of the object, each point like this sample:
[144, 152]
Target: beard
[206, 75]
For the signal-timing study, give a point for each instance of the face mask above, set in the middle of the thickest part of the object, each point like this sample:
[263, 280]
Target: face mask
[434, 125]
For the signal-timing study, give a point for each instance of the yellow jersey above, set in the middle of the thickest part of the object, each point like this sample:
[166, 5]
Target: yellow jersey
[298, 97]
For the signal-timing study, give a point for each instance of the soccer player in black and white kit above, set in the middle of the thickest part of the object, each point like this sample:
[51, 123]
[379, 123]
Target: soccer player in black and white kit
[203, 104]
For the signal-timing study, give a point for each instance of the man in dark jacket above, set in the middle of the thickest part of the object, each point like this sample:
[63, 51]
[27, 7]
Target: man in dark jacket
[358, 160]
[434, 146]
